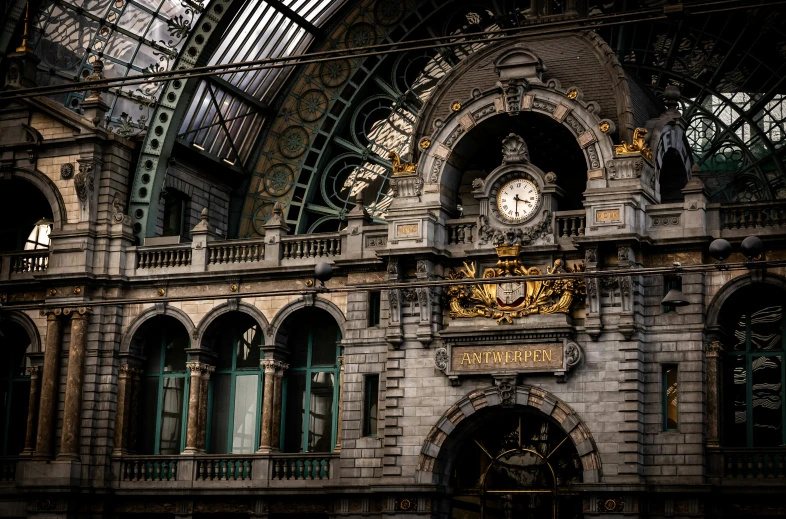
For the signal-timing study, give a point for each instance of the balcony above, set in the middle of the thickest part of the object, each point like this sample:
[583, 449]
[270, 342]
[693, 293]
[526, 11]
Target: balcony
[277, 470]
[23, 264]
[738, 466]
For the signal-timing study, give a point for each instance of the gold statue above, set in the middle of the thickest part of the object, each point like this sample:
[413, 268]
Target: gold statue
[400, 168]
[636, 146]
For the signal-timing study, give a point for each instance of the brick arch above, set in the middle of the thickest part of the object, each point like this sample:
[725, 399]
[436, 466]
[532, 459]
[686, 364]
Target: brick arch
[434, 464]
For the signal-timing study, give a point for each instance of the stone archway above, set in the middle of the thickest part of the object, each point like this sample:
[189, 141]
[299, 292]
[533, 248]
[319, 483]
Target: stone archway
[231, 306]
[145, 316]
[434, 464]
[305, 302]
[47, 188]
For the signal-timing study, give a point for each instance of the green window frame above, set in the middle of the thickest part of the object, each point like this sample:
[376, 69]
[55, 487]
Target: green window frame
[308, 371]
[670, 392]
[163, 380]
[15, 387]
[751, 360]
[236, 375]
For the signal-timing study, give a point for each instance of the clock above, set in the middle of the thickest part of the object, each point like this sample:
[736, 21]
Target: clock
[517, 200]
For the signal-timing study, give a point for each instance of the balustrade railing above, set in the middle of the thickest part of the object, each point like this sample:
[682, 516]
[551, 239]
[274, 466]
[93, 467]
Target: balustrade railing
[219, 253]
[461, 232]
[301, 467]
[570, 223]
[223, 469]
[8, 469]
[164, 257]
[313, 246]
[29, 261]
[753, 215]
[754, 463]
[152, 468]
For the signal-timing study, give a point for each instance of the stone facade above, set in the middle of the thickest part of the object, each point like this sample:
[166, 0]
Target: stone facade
[83, 311]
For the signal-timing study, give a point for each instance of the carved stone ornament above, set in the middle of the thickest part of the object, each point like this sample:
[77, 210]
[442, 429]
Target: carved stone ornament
[67, 171]
[506, 301]
[506, 387]
[573, 354]
[118, 210]
[441, 359]
[515, 236]
[83, 181]
[514, 150]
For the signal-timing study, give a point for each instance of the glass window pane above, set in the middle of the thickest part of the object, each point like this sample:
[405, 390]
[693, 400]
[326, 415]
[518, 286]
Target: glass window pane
[736, 421]
[372, 406]
[4, 399]
[320, 437]
[146, 435]
[219, 428]
[175, 361]
[295, 407]
[152, 351]
[298, 346]
[766, 329]
[245, 416]
[172, 415]
[766, 404]
[17, 426]
[670, 396]
[323, 345]
[248, 348]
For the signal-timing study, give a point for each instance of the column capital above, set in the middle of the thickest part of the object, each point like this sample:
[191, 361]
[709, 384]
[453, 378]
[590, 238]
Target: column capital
[281, 368]
[341, 361]
[77, 312]
[201, 367]
[273, 366]
[51, 313]
[125, 371]
[35, 371]
[714, 349]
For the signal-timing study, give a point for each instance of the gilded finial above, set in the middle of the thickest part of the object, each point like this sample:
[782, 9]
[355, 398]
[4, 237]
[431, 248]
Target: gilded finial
[26, 31]
[636, 146]
[401, 168]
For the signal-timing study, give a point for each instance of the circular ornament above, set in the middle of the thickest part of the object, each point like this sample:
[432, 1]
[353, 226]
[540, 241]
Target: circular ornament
[360, 35]
[262, 214]
[605, 127]
[405, 504]
[425, 143]
[66, 171]
[456, 106]
[313, 105]
[388, 12]
[573, 93]
[335, 73]
[279, 180]
[293, 141]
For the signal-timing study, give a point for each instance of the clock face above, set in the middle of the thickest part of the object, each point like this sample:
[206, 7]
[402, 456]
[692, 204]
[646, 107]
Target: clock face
[517, 200]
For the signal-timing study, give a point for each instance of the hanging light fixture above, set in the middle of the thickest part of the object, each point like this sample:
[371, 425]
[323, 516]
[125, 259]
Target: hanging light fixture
[675, 297]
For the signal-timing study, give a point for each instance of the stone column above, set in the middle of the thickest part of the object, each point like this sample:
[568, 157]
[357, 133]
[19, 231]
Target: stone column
[275, 428]
[72, 409]
[135, 380]
[123, 416]
[204, 379]
[713, 354]
[47, 409]
[266, 426]
[195, 390]
[340, 403]
[32, 409]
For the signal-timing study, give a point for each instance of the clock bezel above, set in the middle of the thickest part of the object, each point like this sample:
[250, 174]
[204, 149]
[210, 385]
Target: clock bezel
[503, 180]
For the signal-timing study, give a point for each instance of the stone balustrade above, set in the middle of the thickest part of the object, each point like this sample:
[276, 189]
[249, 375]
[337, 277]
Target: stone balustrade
[7, 470]
[23, 264]
[461, 231]
[569, 224]
[235, 251]
[311, 246]
[168, 256]
[742, 463]
[753, 215]
[206, 470]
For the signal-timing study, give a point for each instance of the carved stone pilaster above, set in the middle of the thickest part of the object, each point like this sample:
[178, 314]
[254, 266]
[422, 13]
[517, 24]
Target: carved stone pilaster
[394, 333]
[32, 408]
[340, 403]
[714, 364]
[125, 381]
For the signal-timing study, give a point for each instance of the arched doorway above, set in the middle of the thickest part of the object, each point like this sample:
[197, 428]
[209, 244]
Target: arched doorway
[515, 463]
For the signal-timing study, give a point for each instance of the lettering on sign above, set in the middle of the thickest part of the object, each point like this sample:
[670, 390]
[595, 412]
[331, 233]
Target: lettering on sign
[525, 357]
[408, 230]
[607, 215]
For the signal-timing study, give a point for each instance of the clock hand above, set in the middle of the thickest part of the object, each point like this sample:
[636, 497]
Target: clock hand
[517, 199]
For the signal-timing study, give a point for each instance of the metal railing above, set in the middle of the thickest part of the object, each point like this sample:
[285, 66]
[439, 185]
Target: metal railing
[753, 215]
[311, 246]
[148, 468]
[570, 223]
[300, 466]
[223, 468]
[164, 257]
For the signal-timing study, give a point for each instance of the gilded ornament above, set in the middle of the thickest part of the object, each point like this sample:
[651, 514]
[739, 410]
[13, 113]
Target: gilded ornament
[506, 301]
[77, 291]
[52, 292]
[425, 144]
[456, 106]
[161, 292]
[233, 288]
[573, 93]
[605, 127]
[309, 283]
[636, 146]
[401, 168]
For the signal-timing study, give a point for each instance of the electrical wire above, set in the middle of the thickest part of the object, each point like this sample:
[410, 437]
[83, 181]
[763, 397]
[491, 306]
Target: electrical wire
[551, 28]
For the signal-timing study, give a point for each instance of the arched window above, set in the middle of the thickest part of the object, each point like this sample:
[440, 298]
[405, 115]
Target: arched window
[235, 398]
[754, 367]
[310, 397]
[164, 387]
[14, 387]
[25, 216]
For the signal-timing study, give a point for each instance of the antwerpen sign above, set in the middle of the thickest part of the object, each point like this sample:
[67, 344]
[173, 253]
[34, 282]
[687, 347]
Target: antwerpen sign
[525, 357]
[477, 359]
